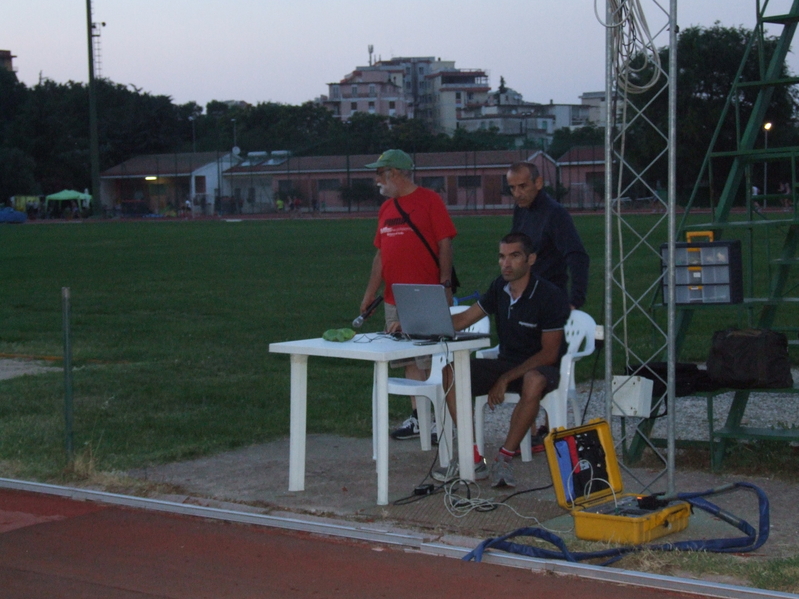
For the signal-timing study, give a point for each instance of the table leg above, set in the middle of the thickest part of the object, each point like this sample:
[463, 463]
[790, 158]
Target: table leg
[463, 401]
[297, 427]
[374, 415]
[380, 434]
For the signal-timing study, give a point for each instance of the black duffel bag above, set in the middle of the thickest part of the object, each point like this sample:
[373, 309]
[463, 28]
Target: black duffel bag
[750, 358]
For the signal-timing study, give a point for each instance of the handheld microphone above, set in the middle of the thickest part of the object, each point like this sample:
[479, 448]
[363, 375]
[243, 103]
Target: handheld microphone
[368, 312]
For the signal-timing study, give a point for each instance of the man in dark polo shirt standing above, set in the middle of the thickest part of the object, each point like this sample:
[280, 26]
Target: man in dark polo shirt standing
[529, 315]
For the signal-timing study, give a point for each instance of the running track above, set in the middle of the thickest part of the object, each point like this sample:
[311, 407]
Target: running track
[53, 547]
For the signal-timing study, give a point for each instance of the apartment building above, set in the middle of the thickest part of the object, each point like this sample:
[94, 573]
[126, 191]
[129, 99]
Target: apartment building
[375, 89]
[448, 93]
[422, 87]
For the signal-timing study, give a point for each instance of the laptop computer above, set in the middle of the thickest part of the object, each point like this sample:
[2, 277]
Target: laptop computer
[424, 313]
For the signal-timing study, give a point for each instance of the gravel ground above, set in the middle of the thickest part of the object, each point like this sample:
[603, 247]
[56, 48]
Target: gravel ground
[763, 410]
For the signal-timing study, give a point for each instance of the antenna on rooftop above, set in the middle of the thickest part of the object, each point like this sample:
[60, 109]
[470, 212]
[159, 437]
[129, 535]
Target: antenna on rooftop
[371, 49]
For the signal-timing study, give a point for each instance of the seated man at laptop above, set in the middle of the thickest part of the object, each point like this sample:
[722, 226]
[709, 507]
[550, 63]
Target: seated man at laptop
[529, 314]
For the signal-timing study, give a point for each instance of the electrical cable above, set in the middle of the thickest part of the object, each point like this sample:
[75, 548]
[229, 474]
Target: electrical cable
[599, 348]
[459, 506]
[632, 41]
[754, 537]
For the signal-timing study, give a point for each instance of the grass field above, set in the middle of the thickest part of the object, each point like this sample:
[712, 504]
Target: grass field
[171, 322]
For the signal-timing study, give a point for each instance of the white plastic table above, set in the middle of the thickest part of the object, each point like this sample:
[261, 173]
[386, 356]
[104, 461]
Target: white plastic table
[380, 350]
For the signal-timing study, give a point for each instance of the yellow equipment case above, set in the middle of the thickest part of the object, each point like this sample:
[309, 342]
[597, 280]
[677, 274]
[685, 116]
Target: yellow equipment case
[587, 481]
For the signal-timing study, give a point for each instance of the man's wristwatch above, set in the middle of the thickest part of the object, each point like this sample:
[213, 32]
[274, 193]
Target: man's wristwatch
[447, 284]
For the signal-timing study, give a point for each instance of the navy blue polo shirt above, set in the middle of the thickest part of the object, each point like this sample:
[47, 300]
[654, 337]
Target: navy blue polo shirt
[542, 307]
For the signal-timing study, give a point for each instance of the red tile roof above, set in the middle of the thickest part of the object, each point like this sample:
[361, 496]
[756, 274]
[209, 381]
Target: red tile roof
[584, 154]
[162, 164]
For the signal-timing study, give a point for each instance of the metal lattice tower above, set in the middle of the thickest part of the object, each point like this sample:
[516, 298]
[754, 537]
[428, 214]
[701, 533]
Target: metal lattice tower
[635, 29]
[631, 244]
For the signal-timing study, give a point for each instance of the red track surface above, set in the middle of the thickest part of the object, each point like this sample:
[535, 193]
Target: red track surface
[52, 547]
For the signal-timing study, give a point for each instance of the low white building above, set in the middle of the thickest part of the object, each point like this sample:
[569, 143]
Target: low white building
[164, 183]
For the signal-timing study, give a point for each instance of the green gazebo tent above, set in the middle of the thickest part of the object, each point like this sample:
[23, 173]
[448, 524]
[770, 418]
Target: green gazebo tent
[69, 195]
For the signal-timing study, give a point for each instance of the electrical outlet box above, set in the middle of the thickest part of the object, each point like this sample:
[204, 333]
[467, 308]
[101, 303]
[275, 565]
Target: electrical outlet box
[599, 333]
[632, 396]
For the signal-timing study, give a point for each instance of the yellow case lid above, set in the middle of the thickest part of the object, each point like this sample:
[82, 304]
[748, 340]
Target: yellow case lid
[616, 486]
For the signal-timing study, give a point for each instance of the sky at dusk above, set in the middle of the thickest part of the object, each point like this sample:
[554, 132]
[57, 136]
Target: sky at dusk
[289, 50]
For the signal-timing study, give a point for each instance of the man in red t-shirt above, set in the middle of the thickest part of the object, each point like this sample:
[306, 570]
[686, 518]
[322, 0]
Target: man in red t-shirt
[402, 256]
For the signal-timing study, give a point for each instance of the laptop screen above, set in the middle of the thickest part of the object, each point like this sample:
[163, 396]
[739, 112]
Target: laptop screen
[423, 311]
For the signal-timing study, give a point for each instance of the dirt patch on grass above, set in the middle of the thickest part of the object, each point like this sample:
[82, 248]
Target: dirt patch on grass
[10, 368]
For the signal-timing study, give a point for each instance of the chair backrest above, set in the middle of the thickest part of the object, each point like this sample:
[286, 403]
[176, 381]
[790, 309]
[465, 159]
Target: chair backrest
[481, 326]
[579, 329]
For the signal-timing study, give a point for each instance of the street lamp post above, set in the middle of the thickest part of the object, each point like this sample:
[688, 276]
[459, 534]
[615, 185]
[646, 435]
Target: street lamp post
[766, 128]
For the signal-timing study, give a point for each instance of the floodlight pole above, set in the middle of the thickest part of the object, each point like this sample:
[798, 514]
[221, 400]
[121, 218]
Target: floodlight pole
[94, 144]
[671, 315]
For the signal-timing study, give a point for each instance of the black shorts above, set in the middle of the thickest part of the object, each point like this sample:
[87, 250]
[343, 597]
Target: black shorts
[486, 372]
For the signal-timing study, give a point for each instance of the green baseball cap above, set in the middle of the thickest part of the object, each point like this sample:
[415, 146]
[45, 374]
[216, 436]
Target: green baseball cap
[393, 159]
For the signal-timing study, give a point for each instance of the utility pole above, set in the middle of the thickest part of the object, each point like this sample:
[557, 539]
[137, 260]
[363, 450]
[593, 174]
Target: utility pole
[94, 144]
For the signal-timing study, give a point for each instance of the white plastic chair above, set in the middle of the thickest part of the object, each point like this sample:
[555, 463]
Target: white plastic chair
[579, 332]
[432, 391]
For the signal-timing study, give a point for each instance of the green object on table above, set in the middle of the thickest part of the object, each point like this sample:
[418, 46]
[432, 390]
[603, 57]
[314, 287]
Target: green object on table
[339, 335]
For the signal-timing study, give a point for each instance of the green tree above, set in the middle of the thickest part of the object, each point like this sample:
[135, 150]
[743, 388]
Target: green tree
[709, 59]
[565, 139]
[16, 174]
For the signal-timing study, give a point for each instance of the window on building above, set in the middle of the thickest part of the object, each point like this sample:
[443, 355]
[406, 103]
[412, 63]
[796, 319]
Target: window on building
[392, 105]
[372, 90]
[371, 106]
[354, 106]
[458, 97]
[354, 91]
[469, 181]
[199, 184]
[335, 92]
[434, 183]
[328, 184]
